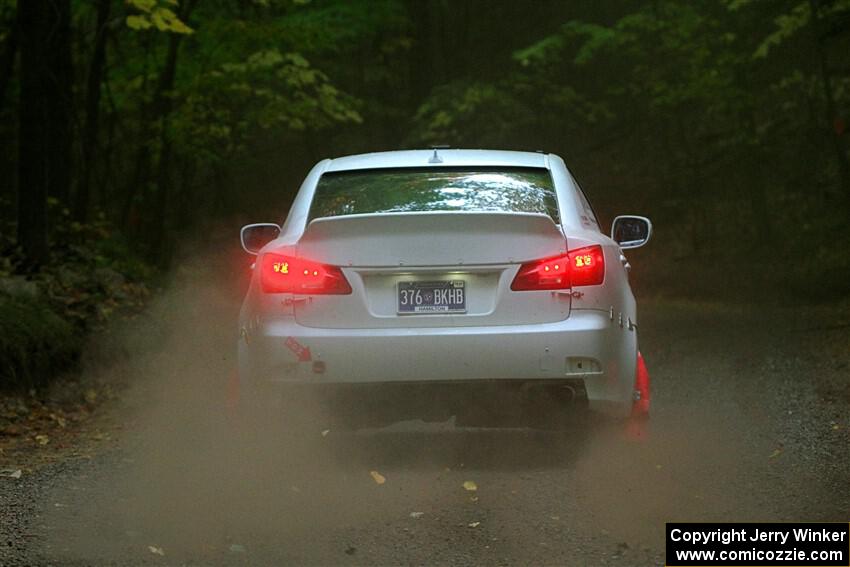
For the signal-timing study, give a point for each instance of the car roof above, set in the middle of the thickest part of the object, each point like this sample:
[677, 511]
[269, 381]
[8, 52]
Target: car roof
[446, 157]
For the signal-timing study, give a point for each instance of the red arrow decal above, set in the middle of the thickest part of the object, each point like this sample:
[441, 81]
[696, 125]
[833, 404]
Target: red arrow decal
[301, 351]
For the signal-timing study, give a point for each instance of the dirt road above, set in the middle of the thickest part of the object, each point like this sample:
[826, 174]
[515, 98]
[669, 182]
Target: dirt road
[751, 412]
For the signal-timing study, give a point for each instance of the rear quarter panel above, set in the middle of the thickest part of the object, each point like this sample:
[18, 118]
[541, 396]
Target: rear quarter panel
[614, 296]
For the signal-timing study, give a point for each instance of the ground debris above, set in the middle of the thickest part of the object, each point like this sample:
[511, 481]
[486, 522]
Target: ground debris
[156, 550]
[90, 396]
[470, 486]
[378, 477]
[60, 420]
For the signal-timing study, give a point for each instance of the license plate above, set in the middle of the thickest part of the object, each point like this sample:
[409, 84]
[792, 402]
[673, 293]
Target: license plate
[432, 297]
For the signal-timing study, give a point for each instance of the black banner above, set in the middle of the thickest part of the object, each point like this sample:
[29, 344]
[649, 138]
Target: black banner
[740, 545]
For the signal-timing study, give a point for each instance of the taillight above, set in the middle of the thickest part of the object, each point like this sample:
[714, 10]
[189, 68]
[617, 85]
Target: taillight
[583, 266]
[286, 274]
[587, 265]
[550, 273]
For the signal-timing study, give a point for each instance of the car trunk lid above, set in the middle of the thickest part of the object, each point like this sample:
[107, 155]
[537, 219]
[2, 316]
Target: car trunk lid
[478, 251]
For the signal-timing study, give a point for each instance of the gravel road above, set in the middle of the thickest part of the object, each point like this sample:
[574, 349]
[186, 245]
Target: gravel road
[751, 422]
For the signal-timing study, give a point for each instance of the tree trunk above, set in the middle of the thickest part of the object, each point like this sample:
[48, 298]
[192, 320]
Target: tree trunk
[7, 60]
[33, 136]
[141, 170]
[95, 78]
[59, 100]
[163, 105]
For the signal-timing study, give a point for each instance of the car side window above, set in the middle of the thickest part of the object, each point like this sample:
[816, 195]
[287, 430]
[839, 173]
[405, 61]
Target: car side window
[588, 216]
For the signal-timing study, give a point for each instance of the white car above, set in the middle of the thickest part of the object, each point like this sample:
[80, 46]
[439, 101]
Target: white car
[431, 283]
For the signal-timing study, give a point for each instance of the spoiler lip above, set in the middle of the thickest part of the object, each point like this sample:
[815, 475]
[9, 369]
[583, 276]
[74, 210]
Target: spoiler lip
[431, 238]
[410, 214]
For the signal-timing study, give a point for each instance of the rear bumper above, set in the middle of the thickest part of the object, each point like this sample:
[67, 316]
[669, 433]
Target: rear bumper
[586, 347]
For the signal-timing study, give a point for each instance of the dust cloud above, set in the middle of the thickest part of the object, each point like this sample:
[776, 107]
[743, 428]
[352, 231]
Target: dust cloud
[197, 475]
[193, 480]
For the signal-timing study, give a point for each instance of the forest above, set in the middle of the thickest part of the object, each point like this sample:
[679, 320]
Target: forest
[133, 127]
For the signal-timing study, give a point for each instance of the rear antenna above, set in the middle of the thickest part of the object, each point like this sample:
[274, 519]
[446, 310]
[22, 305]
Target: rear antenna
[436, 158]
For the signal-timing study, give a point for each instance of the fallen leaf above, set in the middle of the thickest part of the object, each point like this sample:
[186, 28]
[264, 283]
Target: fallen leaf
[470, 486]
[473, 499]
[555, 517]
[473, 524]
[156, 550]
[416, 514]
[42, 439]
[325, 432]
[379, 478]
[91, 396]
[11, 473]
[775, 453]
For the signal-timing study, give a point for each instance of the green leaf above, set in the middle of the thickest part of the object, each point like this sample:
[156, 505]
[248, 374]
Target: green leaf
[166, 20]
[138, 22]
[540, 50]
[786, 26]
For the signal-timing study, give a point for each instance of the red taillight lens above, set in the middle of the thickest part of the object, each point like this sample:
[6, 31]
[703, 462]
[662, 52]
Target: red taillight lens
[286, 274]
[587, 266]
[550, 273]
[583, 266]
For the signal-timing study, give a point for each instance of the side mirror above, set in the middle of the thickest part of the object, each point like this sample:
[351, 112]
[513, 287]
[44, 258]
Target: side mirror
[631, 231]
[255, 236]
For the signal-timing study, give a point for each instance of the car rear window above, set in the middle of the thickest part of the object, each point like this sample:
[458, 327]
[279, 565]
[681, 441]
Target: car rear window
[523, 190]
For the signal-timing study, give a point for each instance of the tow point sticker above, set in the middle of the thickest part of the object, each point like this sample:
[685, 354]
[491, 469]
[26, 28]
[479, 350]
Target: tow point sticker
[301, 351]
